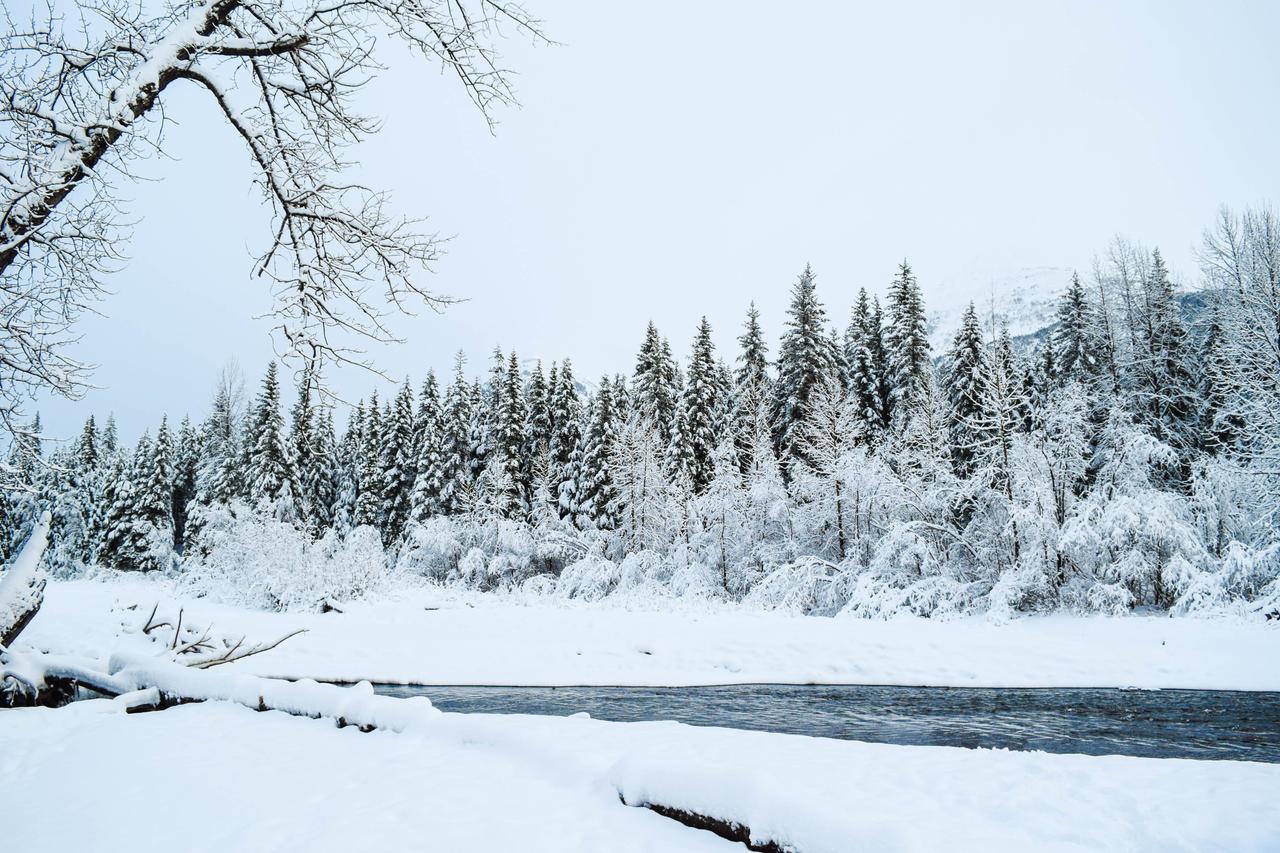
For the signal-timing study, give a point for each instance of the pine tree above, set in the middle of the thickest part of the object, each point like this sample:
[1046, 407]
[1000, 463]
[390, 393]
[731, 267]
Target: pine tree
[1165, 384]
[301, 450]
[653, 384]
[907, 348]
[1072, 341]
[804, 362]
[87, 446]
[186, 462]
[865, 356]
[751, 387]
[109, 443]
[596, 494]
[509, 443]
[699, 406]
[456, 441]
[270, 481]
[368, 506]
[219, 475]
[566, 419]
[321, 485]
[964, 377]
[537, 425]
[349, 461]
[398, 465]
[432, 472]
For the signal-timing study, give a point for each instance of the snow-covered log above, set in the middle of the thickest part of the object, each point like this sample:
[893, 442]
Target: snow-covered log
[22, 586]
[355, 705]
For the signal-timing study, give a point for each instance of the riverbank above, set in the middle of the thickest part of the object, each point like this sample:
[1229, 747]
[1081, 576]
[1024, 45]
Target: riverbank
[432, 636]
[218, 777]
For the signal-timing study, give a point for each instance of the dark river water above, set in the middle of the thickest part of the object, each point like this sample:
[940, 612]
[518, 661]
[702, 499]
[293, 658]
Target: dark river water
[1153, 723]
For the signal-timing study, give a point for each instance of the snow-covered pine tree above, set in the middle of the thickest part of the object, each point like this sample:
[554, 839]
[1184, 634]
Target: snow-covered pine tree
[369, 508]
[349, 461]
[804, 362]
[270, 481]
[430, 478]
[456, 440]
[537, 424]
[596, 494]
[699, 407]
[1073, 345]
[865, 356]
[509, 443]
[219, 475]
[321, 485]
[751, 387]
[186, 465]
[818, 478]
[566, 419]
[654, 396]
[110, 442]
[398, 465]
[1165, 386]
[963, 378]
[301, 446]
[87, 446]
[906, 341]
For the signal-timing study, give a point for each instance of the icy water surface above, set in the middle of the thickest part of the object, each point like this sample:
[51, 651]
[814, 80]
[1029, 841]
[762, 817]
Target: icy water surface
[1152, 723]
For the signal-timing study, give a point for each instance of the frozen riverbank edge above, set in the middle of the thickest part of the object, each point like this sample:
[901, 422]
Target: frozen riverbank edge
[430, 636]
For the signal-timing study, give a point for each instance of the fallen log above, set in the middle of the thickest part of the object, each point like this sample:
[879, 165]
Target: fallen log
[728, 830]
[22, 585]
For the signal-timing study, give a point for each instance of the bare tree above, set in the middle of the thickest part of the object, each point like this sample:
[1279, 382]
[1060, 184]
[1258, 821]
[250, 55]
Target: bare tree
[81, 97]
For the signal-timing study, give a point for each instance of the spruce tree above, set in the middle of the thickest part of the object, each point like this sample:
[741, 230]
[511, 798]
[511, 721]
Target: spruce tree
[509, 443]
[698, 411]
[301, 449]
[862, 345]
[1073, 348]
[964, 377]
[186, 463]
[87, 446]
[537, 425]
[270, 481]
[653, 381]
[368, 509]
[456, 441]
[804, 362]
[432, 474]
[566, 419]
[907, 348]
[398, 465]
[596, 493]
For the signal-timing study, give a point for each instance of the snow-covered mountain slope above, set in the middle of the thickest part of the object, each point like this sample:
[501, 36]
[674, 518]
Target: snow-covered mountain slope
[1026, 299]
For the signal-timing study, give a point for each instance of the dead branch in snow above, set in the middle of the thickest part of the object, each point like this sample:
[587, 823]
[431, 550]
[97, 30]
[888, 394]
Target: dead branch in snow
[22, 585]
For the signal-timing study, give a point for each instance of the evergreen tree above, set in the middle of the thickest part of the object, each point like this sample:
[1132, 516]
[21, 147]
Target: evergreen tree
[186, 463]
[270, 480]
[751, 391]
[219, 475]
[964, 378]
[349, 464]
[907, 348]
[566, 419]
[301, 449]
[596, 494]
[1165, 384]
[109, 443]
[456, 441]
[865, 357]
[1073, 347]
[753, 355]
[699, 406]
[509, 443]
[653, 384]
[432, 470]
[804, 362]
[87, 446]
[537, 425]
[368, 506]
[398, 465]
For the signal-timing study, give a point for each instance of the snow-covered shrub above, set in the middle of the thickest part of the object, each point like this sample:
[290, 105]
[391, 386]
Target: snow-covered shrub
[431, 549]
[257, 561]
[807, 586]
[591, 578]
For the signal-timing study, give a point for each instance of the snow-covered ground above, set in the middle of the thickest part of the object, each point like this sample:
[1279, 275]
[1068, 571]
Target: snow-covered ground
[220, 777]
[431, 637]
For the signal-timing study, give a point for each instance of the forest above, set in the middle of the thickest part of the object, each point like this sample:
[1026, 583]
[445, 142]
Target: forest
[1124, 457]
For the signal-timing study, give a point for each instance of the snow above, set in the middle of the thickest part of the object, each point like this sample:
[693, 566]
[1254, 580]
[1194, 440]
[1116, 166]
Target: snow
[433, 636]
[216, 776]
[19, 584]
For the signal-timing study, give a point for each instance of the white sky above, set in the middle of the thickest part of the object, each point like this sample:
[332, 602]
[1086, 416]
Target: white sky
[678, 159]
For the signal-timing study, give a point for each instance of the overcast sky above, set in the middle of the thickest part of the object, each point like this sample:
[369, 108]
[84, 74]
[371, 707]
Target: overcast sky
[676, 159]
